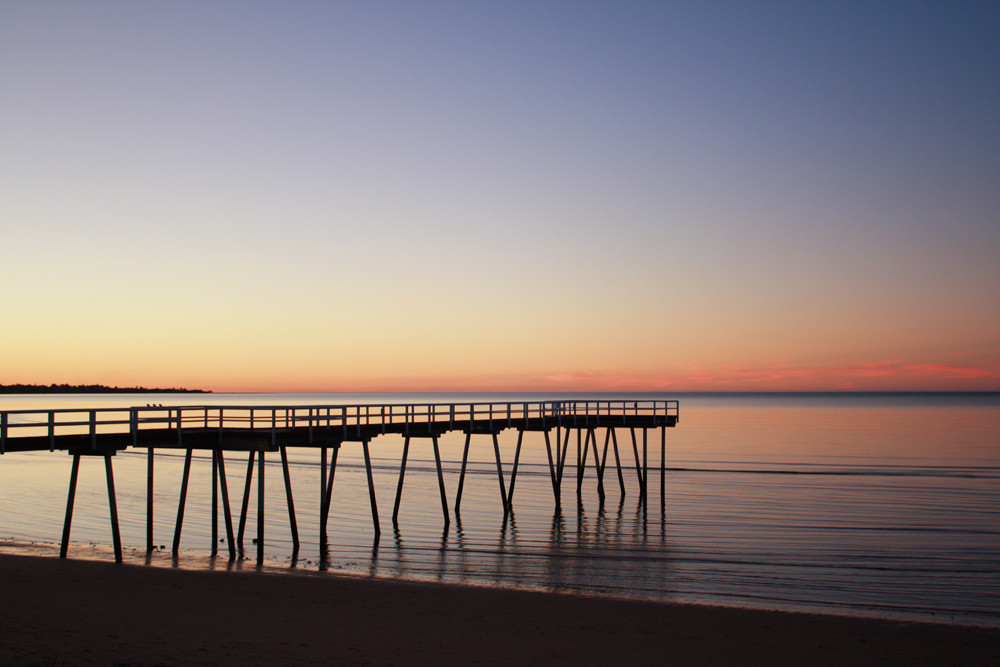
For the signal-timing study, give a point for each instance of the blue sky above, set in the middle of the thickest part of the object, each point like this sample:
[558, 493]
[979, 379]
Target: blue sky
[501, 195]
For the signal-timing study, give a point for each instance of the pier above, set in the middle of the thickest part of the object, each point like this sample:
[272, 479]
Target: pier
[260, 430]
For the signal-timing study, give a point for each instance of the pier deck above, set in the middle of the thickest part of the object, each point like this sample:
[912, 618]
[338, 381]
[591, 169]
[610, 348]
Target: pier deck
[242, 427]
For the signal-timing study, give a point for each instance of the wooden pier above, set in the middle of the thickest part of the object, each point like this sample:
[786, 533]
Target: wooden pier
[258, 430]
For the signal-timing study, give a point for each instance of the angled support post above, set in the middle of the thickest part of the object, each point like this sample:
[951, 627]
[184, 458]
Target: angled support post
[638, 466]
[326, 501]
[645, 469]
[215, 502]
[581, 458]
[440, 472]
[663, 467]
[113, 508]
[329, 483]
[371, 489]
[513, 472]
[402, 473]
[562, 457]
[604, 455]
[149, 499]
[181, 502]
[503, 490]
[461, 475]
[68, 522]
[260, 507]
[290, 501]
[552, 467]
[227, 511]
[600, 460]
[618, 462]
[246, 500]
[324, 498]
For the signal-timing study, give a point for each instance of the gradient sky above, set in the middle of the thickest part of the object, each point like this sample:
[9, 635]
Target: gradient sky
[500, 196]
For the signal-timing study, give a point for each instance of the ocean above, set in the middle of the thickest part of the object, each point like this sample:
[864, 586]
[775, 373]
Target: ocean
[862, 504]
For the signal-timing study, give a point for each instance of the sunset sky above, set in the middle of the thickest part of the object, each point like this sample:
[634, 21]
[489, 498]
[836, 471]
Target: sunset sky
[325, 196]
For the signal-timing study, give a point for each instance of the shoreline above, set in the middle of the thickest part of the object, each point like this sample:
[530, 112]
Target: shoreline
[194, 561]
[71, 612]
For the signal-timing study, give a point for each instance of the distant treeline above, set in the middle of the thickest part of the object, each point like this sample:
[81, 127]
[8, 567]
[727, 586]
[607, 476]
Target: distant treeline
[90, 389]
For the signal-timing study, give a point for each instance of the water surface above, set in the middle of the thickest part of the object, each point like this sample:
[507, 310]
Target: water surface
[884, 504]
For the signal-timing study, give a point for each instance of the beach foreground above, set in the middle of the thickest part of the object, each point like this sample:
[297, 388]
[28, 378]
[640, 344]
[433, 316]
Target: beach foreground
[71, 612]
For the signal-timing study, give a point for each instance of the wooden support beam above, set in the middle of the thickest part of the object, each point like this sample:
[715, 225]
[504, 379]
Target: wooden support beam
[552, 467]
[181, 502]
[326, 501]
[618, 461]
[444, 498]
[68, 521]
[246, 501]
[513, 472]
[227, 510]
[638, 465]
[329, 481]
[399, 486]
[290, 501]
[260, 507]
[324, 498]
[663, 468]
[461, 475]
[149, 499]
[371, 491]
[503, 491]
[603, 462]
[645, 469]
[565, 451]
[215, 502]
[113, 508]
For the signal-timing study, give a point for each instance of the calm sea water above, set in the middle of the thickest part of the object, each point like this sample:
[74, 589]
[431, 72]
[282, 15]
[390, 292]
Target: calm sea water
[884, 505]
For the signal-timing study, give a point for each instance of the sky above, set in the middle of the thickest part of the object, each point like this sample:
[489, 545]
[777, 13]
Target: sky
[500, 196]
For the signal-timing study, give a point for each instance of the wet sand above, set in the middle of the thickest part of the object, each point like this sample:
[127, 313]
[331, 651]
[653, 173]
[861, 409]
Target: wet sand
[74, 612]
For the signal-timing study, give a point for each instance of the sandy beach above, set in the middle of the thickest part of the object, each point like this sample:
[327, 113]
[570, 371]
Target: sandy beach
[78, 612]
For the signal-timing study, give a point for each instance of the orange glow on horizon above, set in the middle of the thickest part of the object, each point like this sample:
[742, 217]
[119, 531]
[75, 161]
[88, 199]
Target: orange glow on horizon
[772, 376]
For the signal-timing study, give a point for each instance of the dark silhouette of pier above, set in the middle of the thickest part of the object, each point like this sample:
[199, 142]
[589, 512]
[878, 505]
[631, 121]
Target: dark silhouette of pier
[259, 430]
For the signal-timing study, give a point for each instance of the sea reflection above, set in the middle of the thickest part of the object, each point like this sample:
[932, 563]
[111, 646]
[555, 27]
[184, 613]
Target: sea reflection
[596, 552]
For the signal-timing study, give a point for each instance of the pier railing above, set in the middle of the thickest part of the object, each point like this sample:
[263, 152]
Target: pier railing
[390, 417]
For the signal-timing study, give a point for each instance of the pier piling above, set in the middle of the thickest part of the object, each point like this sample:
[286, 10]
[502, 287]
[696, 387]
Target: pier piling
[371, 490]
[74, 474]
[290, 500]
[149, 500]
[245, 507]
[180, 504]
[461, 475]
[503, 490]
[399, 486]
[226, 509]
[113, 508]
[513, 472]
[260, 507]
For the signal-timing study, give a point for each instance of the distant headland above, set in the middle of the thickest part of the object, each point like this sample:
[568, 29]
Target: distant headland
[90, 389]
